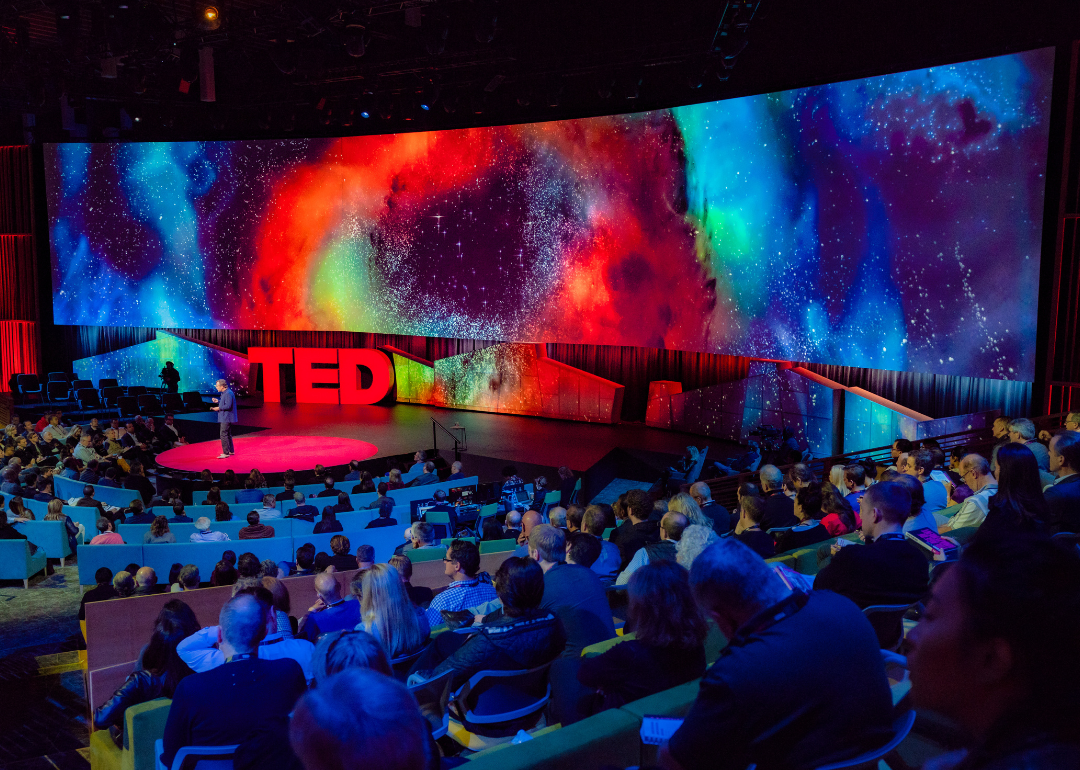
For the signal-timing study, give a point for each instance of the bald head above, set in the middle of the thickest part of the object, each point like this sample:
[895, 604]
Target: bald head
[243, 623]
[672, 525]
[701, 493]
[530, 519]
[146, 577]
[326, 586]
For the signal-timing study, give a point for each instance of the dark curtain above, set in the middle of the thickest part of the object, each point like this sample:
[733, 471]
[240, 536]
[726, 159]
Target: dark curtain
[637, 367]
[935, 395]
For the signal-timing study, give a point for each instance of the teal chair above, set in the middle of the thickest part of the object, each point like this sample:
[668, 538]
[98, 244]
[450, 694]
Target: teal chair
[50, 536]
[17, 563]
[440, 520]
[92, 557]
[497, 546]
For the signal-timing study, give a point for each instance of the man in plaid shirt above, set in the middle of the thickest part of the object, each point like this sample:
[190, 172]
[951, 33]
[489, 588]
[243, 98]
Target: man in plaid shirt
[467, 589]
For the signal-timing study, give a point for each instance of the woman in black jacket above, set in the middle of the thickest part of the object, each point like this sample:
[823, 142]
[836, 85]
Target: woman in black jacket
[158, 672]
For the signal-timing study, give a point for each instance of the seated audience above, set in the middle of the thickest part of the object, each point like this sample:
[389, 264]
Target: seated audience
[269, 508]
[179, 517]
[288, 480]
[255, 530]
[1019, 506]
[1022, 432]
[124, 583]
[427, 477]
[920, 516]
[328, 488]
[779, 508]
[367, 484]
[809, 530]
[159, 674]
[145, 581]
[203, 533]
[419, 595]
[889, 569]
[899, 452]
[102, 591]
[492, 530]
[512, 525]
[187, 580]
[86, 501]
[975, 471]
[667, 648]
[343, 505]
[357, 715]
[748, 530]
[249, 494]
[226, 704]
[468, 587]
[829, 711]
[107, 536]
[341, 559]
[328, 523]
[302, 510]
[524, 635]
[213, 496]
[394, 481]
[920, 464]
[330, 612]
[995, 652]
[608, 562]
[694, 540]
[671, 528]
[582, 548]
[137, 514]
[347, 649]
[365, 557]
[159, 532]
[455, 471]
[643, 529]
[419, 460]
[420, 535]
[222, 512]
[377, 502]
[541, 489]
[387, 613]
[1063, 496]
[529, 519]
[717, 513]
[225, 573]
[557, 517]
[836, 513]
[574, 515]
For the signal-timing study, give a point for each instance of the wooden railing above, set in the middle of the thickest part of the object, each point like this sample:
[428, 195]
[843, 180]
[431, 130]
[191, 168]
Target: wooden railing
[979, 440]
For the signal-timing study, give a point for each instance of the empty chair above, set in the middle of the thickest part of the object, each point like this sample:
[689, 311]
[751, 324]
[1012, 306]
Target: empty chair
[440, 521]
[136, 390]
[193, 400]
[172, 402]
[495, 702]
[197, 757]
[107, 382]
[128, 406]
[88, 398]
[77, 385]
[110, 396]
[59, 377]
[29, 387]
[58, 391]
[149, 403]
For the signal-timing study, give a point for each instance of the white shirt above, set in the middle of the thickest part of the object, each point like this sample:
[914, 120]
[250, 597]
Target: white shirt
[268, 513]
[201, 654]
[641, 558]
[974, 510]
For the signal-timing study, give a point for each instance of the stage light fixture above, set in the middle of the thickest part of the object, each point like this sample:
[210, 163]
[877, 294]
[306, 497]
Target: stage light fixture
[429, 96]
[385, 106]
[366, 105]
[435, 33]
[356, 40]
[207, 15]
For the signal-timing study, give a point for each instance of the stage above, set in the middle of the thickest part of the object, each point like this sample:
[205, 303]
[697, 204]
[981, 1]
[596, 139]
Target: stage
[270, 454]
[403, 428]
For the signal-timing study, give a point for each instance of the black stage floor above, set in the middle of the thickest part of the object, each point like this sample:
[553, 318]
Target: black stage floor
[403, 428]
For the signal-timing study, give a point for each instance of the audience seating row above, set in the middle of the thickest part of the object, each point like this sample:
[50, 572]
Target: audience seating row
[17, 563]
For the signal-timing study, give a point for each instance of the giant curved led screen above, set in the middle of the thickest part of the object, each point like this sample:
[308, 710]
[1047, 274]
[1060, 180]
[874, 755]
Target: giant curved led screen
[893, 222]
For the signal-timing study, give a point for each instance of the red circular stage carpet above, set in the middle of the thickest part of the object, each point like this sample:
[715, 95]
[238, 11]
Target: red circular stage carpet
[270, 454]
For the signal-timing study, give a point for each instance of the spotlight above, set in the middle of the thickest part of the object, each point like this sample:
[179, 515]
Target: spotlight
[207, 15]
[429, 96]
[385, 106]
[356, 40]
[366, 105]
[435, 33]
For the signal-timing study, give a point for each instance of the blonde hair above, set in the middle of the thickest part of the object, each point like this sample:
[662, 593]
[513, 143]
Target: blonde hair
[688, 507]
[56, 510]
[836, 477]
[387, 613]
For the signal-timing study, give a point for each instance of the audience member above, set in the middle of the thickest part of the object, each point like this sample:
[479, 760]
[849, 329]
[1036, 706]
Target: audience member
[721, 519]
[468, 587]
[512, 528]
[748, 530]
[303, 510]
[393, 480]
[492, 530]
[179, 517]
[995, 651]
[381, 491]
[355, 716]
[920, 464]
[541, 489]
[557, 517]
[608, 562]
[159, 674]
[145, 582]
[525, 635]
[328, 523]
[342, 559]
[419, 460]
[159, 531]
[102, 591]
[667, 648]
[330, 612]
[1019, 506]
[269, 508]
[920, 516]
[889, 569]
[124, 584]
[1063, 496]
[354, 472]
[427, 477]
[388, 614]
[225, 573]
[226, 704]
[255, 530]
[900, 449]
[347, 649]
[137, 514]
[107, 536]
[455, 471]
[567, 485]
[529, 520]
[343, 505]
[809, 530]
[86, 501]
[643, 529]
[582, 548]
[694, 540]
[830, 710]
[975, 472]
[574, 515]
[305, 559]
[836, 513]
[671, 528]
[419, 595]
[249, 494]
[420, 535]
[203, 533]
[365, 557]
[187, 580]
[779, 508]
[1022, 431]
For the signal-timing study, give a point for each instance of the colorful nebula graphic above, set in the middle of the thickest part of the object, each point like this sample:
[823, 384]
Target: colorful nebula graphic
[892, 222]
